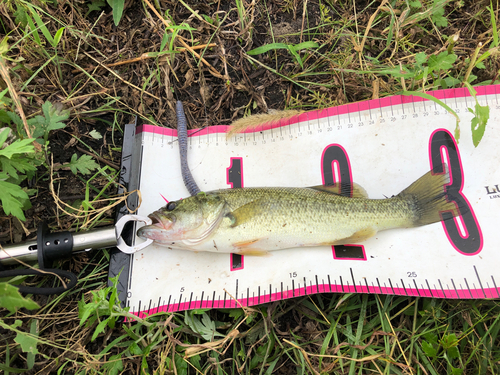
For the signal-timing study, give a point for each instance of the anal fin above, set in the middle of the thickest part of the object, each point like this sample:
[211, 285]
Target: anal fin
[253, 252]
[359, 236]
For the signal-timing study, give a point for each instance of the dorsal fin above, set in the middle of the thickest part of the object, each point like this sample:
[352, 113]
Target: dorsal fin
[343, 190]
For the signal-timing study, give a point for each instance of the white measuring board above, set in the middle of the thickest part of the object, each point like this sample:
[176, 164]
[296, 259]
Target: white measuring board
[384, 145]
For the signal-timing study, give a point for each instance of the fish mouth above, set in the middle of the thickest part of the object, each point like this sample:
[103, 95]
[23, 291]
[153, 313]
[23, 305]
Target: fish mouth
[160, 222]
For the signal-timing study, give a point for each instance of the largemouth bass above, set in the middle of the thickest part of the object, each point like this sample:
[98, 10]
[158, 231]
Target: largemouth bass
[253, 221]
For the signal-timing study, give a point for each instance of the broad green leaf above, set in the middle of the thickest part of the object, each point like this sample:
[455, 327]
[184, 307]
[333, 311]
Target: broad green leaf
[12, 300]
[420, 58]
[117, 6]
[438, 17]
[99, 329]
[236, 313]
[4, 134]
[28, 343]
[134, 349]
[54, 116]
[95, 134]
[478, 123]
[41, 26]
[58, 36]
[18, 147]
[304, 45]
[443, 61]
[429, 349]
[16, 164]
[114, 365]
[12, 198]
[453, 352]
[4, 45]
[4, 117]
[493, 25]
[267, 47]
[85, 164]
[205, 327]
[96, 5]
[30, 357]
[21, 15]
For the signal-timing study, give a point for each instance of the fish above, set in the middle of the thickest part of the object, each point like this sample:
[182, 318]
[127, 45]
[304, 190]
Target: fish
[255, 221]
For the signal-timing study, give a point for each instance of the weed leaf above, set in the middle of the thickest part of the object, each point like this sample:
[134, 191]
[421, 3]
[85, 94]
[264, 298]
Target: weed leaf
[85, 164]
[12, 300]
[117, 6]
[95, 134]
[28, 343]
[114, 365]
[53, 116]
[478, 123]
[18, 147]
[429, 349]
[12, 197]
[443, 61]
[205, 327]
[95, 5]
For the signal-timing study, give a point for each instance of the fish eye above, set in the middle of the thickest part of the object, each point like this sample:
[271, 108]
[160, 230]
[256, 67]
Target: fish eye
[171, 206]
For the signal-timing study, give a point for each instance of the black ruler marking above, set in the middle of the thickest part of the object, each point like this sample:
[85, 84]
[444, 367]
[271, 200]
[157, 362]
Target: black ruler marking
[454, 287]
[225, 296]
[466, 283]
[367, 287]
[480, 283]
[305, 286]
[248, 296]
[259, 295]
[139, 307]
[352, 276]
[329, 284]
[213, 300]
[379, 288]
[439, 280]
[317, 284]
[180, 301]
[416, 287]
[494, 283]
[342, 284]
[429, 287]
[281, 290]
[293, 288]
[390, 283]
[402, 283]
[191, 298]
[270, 292]
[201, 299]
[149, 307]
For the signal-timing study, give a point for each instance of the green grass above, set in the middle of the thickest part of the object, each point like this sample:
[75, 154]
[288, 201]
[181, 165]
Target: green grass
[269, 54]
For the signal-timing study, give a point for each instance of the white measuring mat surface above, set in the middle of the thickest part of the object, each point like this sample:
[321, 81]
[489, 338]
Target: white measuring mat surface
[383, 145]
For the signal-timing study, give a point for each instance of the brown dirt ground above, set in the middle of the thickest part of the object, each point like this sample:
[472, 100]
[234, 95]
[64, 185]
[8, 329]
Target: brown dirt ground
[214, 93]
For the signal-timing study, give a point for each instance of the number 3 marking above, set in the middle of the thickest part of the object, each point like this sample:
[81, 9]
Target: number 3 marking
[471, 242]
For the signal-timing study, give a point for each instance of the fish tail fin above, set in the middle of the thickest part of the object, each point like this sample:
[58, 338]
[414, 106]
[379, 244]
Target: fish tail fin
[428, 199]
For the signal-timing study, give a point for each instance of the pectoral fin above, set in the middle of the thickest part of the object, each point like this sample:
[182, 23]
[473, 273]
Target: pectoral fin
[247, 212]
[342, 189]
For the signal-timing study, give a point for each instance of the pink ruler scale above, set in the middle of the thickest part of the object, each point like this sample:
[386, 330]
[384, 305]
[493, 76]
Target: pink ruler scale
[383, 145]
